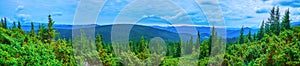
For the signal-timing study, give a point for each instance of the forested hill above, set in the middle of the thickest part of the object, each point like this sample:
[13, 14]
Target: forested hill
[136, 32]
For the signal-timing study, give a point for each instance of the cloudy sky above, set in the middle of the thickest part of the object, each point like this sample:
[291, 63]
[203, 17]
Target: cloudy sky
[236, 13]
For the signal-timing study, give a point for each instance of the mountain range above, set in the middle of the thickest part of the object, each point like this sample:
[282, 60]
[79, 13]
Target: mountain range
[167, 33]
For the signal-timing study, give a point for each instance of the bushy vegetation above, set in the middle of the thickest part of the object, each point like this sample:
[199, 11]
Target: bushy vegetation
[276, 43]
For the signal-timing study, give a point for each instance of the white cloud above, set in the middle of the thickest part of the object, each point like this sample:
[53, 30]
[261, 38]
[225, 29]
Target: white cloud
[88, 11]
[23, 17]
[140, 9]
[57, 14]
[19, 8]
[177, 16]
[235, 10]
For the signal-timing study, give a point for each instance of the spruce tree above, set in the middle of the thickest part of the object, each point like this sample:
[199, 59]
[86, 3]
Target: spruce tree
[178, 48]
[142, 44]
[42, 33]
[32, 33]
[4, 23]
[1, 23]
[19, 25]
[131, 46]
[276, 22]
[189, 46]
[286, 20]
[261, 31]
[241, 37]
[211, 39]
[249, 36]
[191, 41]
[270, 23]
[198, 41]
[254, 37]
[14, 25]
[99, 43]
[51, 31]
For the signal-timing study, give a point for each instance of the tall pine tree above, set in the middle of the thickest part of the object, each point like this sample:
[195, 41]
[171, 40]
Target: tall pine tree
[99, 43]
[19, 25]
[32, 33]
[285, 24]
[14, 25]
[261, 31]
[241, 37]
[270, 23]
[276, 25]
[51, 31]
[4, 23]
[198, 41]
[42, 33]
[249, 36]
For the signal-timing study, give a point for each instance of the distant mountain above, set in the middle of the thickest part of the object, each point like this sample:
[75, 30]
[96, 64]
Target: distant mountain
[166, 32]
[136, 32]
[236, 33]
[230, 32]
[295, 24]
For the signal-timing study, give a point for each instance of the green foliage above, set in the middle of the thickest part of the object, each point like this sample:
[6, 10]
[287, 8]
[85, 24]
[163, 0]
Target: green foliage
[285, 24]
[241, 37]
[51, 32]
[4, 23]
[32, 32]
[42, 33]
[249, 37]
[14, 25]
[19, 25]
[271, 50]
[261, 31]
[269, 47]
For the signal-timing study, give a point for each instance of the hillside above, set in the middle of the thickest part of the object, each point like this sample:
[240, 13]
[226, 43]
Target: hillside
[136, 32]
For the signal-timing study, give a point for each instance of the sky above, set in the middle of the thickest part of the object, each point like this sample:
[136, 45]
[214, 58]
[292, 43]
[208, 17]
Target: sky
[236, 13]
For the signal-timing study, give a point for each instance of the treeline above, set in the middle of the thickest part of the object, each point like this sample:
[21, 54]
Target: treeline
[273, 26]
[276, 43]
[18, 47]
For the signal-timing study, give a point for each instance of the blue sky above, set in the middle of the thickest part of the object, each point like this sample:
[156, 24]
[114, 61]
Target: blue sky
[236, 12]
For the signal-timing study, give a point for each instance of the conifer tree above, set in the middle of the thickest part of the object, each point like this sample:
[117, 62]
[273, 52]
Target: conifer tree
[189, 46]
[179, 46]
[19, 25]
[261, 31]
[276, 22]
[1, 23]
[241, 37]
[254, 37]
[198, 41]
[286, 20]
[32, 33]
[14, 25]
[249, 36]
[212, 38]
[42, 33]
[142, 44]
[4, 23]
[191, 41]
[270, 23]
[131, 46]
[99, 43]
[51, 31]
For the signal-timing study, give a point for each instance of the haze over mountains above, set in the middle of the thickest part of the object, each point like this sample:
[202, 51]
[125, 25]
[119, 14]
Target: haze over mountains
[168, 33]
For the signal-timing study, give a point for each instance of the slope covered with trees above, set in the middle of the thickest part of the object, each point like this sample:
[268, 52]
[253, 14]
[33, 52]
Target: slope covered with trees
[276, 43]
